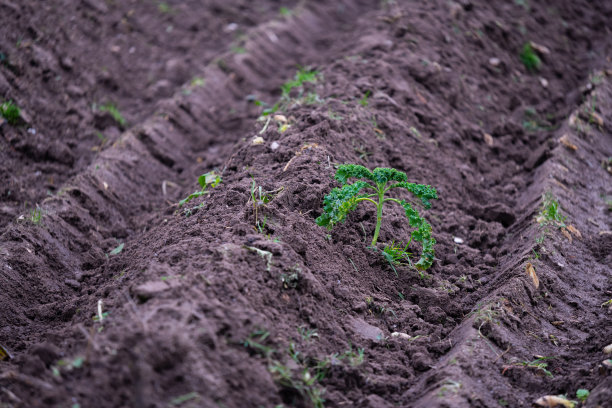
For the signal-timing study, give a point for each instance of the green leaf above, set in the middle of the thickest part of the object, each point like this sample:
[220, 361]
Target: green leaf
[211, 178]
[384, 175]
[339, 202]
[347, 171]
[424, 192]
[117, 250]
[191, 197]
[582, 394]
[422, 234]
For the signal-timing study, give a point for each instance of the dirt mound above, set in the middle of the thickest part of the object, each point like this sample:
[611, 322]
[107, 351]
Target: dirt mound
[115, 295]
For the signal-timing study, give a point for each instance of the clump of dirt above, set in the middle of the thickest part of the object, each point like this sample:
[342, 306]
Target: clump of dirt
[238, 298]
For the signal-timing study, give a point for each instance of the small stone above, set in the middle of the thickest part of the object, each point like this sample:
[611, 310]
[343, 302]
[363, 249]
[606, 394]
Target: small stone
[494, 61]
[74, 90]
[257, 140]
[280, 118]
[458, 240]
[544, 82]
[401, 335]
[540, 48]
[66, 63]
[231, 27]
[274, 145]
[72, 283]
[488, 139]
[150, 289]
[366, 330]
[608, 349]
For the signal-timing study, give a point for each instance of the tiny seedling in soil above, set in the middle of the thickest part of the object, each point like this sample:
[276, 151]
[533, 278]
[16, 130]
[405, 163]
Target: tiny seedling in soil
[364, 100]
[340, 201]
[117, 250]
[538, 364]
[180, 400]
[114, 112]
[550, 212]
[207, 179]
[10, 112]
[307, 334]
[529, 58]
[255, 342]
[582, 394]
[301, 77]
[260, 198]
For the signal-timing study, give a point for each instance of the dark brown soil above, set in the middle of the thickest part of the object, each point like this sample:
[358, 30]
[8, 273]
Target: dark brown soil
[214, 304]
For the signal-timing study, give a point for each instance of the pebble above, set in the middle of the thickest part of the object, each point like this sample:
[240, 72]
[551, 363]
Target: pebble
[401, 335]
[150, 289]
[544, 82]
[274, 145]
[366, 330]
[72, 283]
[458, 240]
[494, 61]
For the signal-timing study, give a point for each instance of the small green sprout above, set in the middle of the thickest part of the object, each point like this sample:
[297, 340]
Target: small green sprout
[340, 201]
[206, 179]
[364, 100]
[117, 250]
[550, 212]
[538, 364]
[302, 76]
[181, 399]
[285, 12]
[582, 394]
[529, 58]
[114, 112]
[10, 112]
[255, 342]
[307, 334]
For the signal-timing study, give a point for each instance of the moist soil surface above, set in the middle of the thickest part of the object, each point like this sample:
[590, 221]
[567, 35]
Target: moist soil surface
[116, 295]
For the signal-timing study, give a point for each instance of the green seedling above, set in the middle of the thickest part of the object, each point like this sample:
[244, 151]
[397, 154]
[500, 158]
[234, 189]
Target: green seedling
[181, 399]
[117, 250]
[340, 201]
[114, 112]
[10, 112]
[207, 179]
[364, 100]
[285, 12]
[301, 77]
[353, 358]
[307, 334]
[529, 58]
[67, 365]
[255, 342]
[582, 394]
[550, 212]
[538, 365]
[305, 381]
[260, 198]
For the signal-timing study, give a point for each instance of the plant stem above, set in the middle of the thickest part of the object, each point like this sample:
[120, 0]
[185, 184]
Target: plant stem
[379, 209]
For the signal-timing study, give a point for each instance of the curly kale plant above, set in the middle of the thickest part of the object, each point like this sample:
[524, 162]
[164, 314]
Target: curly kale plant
[340, 201]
